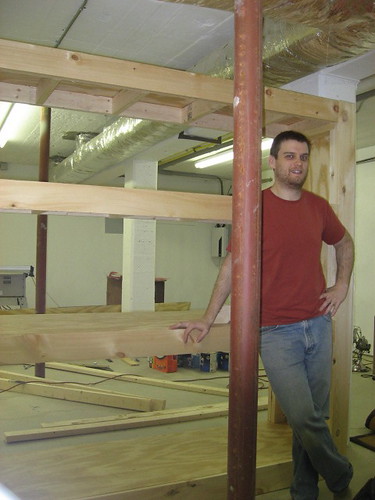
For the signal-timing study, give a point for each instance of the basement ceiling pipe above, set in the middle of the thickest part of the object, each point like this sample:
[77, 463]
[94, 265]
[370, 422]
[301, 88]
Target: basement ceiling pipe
[304, 39]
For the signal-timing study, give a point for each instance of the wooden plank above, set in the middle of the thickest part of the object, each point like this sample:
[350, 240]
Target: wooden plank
[166, 384]
[131, 466]
[342, 195]
[80, 395]
[48, 62]
[124, 99]
[309, 106]
[132, 421]
[127, 416]
[159, 306]
[36, 338]
[138, 403]
[73, 199]
[154, 111]
[44, 89]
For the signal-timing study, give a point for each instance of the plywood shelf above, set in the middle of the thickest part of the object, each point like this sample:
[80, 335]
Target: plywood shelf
[189, 465]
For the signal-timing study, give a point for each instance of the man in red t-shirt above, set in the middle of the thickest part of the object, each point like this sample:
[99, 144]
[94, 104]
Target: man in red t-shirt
[296, 311]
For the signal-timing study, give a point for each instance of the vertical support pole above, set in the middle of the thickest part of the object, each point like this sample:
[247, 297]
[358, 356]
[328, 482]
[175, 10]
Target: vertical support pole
[246, 236]
[41, 238]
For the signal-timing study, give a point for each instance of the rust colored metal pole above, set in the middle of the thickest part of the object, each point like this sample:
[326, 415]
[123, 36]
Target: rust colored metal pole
[41, 237]
[246, 245]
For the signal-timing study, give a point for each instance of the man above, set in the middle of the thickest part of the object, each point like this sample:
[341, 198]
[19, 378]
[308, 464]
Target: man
[296, 311]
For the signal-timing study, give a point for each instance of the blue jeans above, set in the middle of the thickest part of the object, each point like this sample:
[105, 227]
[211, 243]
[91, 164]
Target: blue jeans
[298, 359]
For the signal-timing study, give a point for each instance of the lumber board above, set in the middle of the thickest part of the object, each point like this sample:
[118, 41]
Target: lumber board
[131, 421]
[145, 466]
[39, 338]
[158, 382]
[65, 65]
[262, 405]
[159, 306]
[80, 394]
[103, 201]
[133, 400]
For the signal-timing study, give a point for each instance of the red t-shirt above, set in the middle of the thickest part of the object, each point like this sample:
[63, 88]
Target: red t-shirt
[292, 278]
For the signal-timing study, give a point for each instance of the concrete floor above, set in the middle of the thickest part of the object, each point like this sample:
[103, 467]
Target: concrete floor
[21, 412]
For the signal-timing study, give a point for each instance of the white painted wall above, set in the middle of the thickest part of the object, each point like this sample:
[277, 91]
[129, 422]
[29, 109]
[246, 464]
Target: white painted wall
[364, 268]
[80, 255]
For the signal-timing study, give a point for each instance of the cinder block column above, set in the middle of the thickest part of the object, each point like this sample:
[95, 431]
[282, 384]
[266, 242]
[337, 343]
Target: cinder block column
[138, 273]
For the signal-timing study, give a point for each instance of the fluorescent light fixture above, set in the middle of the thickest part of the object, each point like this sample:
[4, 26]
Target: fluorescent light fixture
[226, 154]
[4, 111]
[266, 143]
[12, 122]
[215, 159]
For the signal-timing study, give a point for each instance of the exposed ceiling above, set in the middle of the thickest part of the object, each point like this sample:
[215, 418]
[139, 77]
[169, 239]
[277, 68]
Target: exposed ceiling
[181, 35]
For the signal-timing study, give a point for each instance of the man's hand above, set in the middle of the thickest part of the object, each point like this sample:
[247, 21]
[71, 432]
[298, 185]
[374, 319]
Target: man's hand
[333, 298]
[202, 326]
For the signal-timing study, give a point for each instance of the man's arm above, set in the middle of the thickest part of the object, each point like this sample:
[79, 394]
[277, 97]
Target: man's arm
[335, 295]
[219, 295]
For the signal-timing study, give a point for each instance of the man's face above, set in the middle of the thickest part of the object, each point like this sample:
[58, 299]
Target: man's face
[291, 165]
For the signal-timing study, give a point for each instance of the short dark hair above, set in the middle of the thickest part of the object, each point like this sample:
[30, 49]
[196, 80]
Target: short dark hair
[286, 136]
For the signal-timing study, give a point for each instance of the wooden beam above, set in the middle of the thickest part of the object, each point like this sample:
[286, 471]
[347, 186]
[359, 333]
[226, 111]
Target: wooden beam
[65, 65]
[44, 89]
[154, 111]
[73, 199]
[298, 104]
[39, 338]
[166, 384]
[124, 99]
[132, 421]
[111, 418]
[197, 109]
[80, 394]
[342, 195]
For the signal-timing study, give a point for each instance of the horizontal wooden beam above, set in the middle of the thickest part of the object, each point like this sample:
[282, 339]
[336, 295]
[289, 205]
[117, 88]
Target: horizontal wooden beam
[38, 338]
[140, 379]
[66, 65]
[298, 104]
[78, 393]
[131, 421]
[101, 201]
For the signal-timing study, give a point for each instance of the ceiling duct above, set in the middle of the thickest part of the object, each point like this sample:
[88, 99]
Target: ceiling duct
[300, 38]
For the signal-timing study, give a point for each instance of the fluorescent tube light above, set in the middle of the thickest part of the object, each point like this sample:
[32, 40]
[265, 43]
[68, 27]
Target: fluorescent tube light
[266, 143]
[4, 111]
[14, 120]
[215, 160]
[226, 155]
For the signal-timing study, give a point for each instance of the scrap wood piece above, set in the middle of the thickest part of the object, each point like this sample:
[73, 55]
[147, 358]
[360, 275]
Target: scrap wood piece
[130, 361]
[262, 405]
[39, 338]
[168, 384]
[130, 421]
[157, 404]
[76, 392]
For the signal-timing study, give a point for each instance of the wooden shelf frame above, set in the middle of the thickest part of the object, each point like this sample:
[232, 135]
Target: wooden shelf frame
[58, 78]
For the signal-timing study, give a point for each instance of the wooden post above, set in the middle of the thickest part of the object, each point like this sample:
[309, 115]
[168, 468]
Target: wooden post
[41, 239]
[247, 112]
